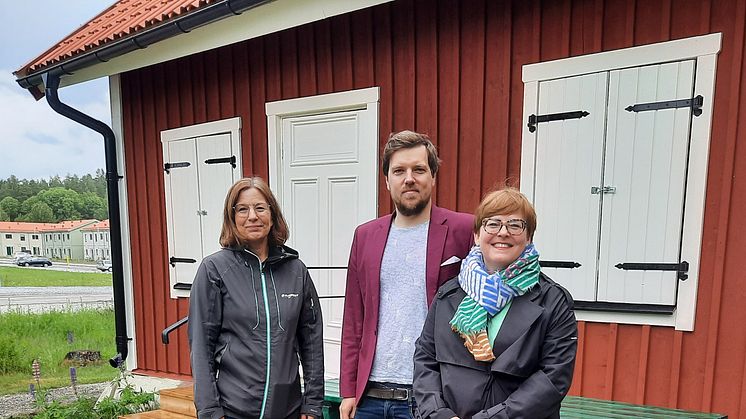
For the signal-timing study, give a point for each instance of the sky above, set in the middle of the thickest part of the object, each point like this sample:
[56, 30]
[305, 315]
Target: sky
[35, 141]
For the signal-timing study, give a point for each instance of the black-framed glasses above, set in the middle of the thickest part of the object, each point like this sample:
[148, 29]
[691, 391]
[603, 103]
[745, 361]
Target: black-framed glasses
[242, 210]
[514, 227]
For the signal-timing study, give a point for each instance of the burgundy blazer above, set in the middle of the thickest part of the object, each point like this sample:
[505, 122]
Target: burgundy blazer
[450, 234]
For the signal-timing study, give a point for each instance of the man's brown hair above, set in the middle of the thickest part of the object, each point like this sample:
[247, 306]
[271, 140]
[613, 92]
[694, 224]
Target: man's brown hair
[409, 139]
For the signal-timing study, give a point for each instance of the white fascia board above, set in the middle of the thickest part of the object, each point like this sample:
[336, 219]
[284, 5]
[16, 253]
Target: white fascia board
[680, 49]
[262, 20]
[115, 95]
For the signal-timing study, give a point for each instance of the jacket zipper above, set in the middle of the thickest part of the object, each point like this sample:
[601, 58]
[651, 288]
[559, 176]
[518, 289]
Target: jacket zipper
[266, 314]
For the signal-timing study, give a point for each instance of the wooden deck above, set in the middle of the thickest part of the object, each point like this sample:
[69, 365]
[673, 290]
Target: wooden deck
[178, 403]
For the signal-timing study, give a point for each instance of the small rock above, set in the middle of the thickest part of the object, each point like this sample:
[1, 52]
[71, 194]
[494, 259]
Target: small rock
[82, 358]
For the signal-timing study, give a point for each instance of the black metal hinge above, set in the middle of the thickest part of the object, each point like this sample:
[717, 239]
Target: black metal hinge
[695, 103]
[535, 119]
[168, 166]
[231, 160]
[681, 268]
[559, 264]
[173, 260]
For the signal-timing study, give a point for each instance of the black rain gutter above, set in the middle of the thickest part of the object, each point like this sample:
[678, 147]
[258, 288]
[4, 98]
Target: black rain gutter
[184, 24]
[50, 78]
[52, 83]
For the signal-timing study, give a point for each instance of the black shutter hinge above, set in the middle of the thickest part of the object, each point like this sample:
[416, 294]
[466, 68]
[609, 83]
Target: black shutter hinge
[559, 264]
[535, 119]
[695, 103]
[174, 260]
[681, 268]
[231, 160]
[168, 166]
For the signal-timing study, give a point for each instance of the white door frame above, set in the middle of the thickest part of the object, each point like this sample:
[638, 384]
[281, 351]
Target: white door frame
[332, 102]
[704, 49]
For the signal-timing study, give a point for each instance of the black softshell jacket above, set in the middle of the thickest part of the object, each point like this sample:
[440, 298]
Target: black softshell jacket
[236, 303]
[535, 355]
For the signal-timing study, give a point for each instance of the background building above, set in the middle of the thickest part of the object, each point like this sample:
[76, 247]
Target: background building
[96, 242]
[64, 240]
[20, 237]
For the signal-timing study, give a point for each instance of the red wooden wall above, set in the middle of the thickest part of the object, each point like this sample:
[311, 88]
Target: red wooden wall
[453, 69]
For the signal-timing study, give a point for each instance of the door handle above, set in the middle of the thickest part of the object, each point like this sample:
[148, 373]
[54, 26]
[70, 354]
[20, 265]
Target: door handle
[595, 190]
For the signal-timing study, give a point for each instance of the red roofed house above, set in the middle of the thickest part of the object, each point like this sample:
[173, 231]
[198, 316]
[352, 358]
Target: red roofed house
[620, 119]
[96, 241]
[22, 237]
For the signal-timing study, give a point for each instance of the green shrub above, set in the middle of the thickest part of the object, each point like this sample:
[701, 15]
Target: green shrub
[11, 360]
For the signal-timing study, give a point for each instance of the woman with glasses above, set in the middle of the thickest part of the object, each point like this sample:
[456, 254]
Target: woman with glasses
[253, 313]
[500, 338]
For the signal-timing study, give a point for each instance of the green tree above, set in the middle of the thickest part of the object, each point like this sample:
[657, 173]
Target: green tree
[93, 206]
[11, 207]
[4, 215]
[65, 203]
[41, 213]
[26, 208]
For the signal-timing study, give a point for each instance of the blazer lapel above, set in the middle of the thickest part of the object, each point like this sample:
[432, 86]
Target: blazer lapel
[377, 246]
[436, 241]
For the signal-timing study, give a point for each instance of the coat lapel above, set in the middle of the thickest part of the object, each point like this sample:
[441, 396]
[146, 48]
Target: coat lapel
[436, 241]
[522, 314]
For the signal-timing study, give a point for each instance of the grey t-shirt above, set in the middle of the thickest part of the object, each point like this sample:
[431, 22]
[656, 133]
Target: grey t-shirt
[403, 306]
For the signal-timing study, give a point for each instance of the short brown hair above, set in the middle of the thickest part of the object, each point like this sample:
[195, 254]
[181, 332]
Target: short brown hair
[506, 201]
[409, 139]
[278, 233]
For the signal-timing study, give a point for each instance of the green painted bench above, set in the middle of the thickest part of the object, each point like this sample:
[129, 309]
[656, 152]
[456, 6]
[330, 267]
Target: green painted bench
[573, 407]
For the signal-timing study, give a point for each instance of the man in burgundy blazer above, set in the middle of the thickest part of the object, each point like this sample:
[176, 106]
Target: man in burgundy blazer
[410, 164]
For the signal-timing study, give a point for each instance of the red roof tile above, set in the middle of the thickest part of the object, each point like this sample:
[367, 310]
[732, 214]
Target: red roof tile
[101, 225]
[19, 227]
[124, 18]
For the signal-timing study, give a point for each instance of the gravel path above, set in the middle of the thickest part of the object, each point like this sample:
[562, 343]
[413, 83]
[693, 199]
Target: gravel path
[16, 404]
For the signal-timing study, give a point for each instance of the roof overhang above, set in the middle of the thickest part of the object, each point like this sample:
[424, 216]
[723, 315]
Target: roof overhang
[135, 51]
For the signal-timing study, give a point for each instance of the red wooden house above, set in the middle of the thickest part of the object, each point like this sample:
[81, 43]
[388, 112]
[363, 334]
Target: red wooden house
[620, 119]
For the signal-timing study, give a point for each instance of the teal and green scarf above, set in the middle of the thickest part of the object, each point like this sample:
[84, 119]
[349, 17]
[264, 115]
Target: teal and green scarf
[487, 294]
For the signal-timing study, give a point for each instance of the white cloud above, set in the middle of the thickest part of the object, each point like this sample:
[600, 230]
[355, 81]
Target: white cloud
[36, 142]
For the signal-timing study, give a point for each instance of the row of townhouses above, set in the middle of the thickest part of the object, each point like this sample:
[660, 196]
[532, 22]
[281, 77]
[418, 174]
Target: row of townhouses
[76, 239]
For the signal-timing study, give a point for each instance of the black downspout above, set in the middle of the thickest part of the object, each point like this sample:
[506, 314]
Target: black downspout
[52, 84]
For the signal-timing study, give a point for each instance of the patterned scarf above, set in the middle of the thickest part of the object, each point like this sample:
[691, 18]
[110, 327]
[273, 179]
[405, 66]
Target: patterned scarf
[487, 294]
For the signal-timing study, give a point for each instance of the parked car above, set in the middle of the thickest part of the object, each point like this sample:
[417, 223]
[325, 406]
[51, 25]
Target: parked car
[104, 265]
[34, 261]
[20, 255]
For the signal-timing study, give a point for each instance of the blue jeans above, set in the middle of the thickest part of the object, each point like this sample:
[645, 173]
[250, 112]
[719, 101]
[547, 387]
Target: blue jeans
[371, 408]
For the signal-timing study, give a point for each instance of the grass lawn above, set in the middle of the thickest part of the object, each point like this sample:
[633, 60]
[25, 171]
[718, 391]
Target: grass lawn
[11, 276]
[26, 337]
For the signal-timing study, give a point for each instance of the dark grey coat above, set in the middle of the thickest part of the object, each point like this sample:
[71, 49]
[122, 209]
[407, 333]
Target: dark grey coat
[228, 322]
[535, 351]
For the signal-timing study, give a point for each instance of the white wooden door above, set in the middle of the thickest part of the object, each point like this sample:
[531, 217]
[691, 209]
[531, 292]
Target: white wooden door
[568, 163]
[329, 171]
[646, 155]
[202, 163]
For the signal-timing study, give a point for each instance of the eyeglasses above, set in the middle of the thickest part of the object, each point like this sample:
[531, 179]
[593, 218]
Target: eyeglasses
[513, 227]
[243, 210]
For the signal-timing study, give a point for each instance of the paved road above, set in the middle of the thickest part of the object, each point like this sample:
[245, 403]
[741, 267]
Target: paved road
[43, 299]
[57, 266]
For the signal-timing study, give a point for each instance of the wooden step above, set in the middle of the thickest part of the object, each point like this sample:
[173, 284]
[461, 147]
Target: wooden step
[156, 414]
[179, 400]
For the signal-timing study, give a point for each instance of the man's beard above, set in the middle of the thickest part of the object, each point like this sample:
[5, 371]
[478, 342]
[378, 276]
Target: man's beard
[410, 211]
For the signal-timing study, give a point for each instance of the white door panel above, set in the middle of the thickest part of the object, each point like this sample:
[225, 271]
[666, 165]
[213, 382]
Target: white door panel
[568, 163]
[214, 181]
[329, 187]
[183, 208]
[646, 157]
